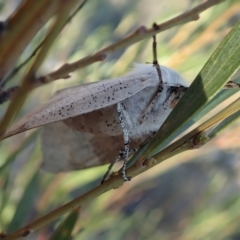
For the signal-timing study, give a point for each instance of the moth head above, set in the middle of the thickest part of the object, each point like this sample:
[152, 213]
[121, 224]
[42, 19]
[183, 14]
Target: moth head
[169, 76]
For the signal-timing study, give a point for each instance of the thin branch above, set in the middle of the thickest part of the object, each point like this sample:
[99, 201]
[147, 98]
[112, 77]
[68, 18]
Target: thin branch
[76, 11]
[140, 34]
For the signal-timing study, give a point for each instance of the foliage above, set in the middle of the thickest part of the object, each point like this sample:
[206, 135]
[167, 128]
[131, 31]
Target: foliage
[195, 200]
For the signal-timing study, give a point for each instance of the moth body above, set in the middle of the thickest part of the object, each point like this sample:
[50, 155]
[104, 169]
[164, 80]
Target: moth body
[82, 123]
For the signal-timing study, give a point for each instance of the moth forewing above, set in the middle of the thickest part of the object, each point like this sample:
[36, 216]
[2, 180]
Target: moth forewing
[86, 98]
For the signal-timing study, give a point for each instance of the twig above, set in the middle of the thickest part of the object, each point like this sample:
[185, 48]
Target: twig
[155, 61]
[140, 34]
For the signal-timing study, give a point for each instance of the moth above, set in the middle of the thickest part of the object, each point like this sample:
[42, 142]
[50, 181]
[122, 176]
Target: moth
[84, 126]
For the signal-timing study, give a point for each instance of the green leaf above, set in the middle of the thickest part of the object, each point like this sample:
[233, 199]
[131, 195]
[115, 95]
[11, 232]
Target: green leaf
[64, 230]
[216, 72]
[24, 204]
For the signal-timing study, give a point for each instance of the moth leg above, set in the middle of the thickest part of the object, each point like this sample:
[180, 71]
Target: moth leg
[120, 108]
[160, 86]
[118, 158]
[177, 91]
[124, 154]
[151, 104]
[231, 85]
[127, 116]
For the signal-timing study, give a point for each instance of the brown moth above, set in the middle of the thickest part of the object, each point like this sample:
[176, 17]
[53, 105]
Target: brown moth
[82, 124]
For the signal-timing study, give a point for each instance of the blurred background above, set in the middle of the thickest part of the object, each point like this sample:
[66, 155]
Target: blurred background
[195, 195]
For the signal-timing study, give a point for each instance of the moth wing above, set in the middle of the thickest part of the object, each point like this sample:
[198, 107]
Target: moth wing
[65, 149]
[85, 98]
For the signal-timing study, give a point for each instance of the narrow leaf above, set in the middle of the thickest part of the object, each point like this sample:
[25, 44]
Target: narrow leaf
[224, 124]
[216, 72]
